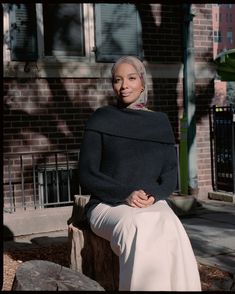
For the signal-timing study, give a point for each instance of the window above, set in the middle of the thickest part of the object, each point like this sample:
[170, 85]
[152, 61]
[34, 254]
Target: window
[63, 29]
[230, 37]
[57, 186]
[81, 31]
[217, 36]
[118, 31]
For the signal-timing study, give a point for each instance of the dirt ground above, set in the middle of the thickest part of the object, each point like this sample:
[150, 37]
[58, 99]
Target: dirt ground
[59, 254]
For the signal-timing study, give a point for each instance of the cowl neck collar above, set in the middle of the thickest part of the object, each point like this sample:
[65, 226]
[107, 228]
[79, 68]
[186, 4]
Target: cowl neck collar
[132, 123]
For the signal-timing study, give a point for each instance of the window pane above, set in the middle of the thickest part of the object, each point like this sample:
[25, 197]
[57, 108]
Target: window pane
[63, 29]
[118, 31]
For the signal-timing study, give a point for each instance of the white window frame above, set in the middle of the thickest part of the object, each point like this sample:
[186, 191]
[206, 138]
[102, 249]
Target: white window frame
[57, 66]
[88, 13]
[6, 33]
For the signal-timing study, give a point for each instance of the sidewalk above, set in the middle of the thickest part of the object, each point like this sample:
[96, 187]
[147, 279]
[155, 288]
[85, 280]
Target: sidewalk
[211, 229]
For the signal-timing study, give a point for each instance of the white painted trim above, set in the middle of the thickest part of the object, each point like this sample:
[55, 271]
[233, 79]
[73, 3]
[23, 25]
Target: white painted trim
[89, 31]
[40, 31]
[6, 34]
[75, 69]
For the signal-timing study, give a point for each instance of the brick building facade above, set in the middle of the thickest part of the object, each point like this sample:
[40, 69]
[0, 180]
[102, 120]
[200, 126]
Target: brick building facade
[47, 102]
[223, 27]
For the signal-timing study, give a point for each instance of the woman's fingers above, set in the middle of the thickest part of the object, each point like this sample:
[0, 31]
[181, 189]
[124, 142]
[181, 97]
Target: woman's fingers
[140, 199]
[142, 195]
[139, 202]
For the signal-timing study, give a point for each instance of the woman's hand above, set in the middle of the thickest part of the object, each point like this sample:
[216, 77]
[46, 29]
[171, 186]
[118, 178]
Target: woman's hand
[140, 199]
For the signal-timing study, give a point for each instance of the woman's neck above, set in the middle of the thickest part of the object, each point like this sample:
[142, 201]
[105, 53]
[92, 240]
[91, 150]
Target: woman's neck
[137, 106]
[134, 105]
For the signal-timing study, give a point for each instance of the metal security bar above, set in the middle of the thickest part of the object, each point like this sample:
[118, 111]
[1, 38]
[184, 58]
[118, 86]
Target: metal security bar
[177, 190]
[40, 180]
[222, 143]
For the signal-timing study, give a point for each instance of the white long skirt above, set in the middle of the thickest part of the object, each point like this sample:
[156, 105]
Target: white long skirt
[154, 251]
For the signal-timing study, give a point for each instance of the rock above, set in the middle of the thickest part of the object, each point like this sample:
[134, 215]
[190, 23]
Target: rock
[41, 275]
[183, 204]
[222, 284]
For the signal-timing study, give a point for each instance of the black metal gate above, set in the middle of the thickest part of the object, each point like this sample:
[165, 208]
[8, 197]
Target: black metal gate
[222, 143]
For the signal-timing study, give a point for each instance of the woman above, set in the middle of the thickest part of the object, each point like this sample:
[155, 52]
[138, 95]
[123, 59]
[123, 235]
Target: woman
[128, 164]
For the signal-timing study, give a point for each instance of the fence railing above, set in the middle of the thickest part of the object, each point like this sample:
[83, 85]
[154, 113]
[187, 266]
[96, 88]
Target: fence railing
[222, 140]
[40, 180]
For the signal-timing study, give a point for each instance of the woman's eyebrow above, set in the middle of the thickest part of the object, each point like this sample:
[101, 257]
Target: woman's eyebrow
[130, 74]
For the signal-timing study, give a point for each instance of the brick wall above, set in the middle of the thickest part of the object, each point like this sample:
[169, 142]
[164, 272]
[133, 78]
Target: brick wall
[42, 115]
[45, 115]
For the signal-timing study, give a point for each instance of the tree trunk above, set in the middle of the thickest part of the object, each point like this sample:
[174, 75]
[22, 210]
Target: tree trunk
[89, 253]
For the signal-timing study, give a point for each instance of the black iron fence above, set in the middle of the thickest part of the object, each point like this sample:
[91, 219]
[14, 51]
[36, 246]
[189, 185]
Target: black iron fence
[222, 142]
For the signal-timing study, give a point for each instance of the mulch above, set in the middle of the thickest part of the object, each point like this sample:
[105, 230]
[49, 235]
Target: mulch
[59, 253]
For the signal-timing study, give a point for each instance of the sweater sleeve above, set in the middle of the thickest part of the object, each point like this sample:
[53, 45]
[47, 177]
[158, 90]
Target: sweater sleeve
[167, 181]
[104, 187]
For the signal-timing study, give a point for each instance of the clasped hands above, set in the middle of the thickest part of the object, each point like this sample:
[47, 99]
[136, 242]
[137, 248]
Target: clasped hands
[140, 199]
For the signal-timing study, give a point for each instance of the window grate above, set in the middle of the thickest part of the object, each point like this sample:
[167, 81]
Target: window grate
[40, 180]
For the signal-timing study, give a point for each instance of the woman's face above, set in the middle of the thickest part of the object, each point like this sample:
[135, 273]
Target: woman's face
[127, 83]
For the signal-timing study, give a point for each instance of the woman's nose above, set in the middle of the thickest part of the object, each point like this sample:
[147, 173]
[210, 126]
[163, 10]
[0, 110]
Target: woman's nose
[124, 84]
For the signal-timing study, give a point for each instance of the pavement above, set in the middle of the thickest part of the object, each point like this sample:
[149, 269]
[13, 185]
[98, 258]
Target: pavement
[211, 230]
[210, 226]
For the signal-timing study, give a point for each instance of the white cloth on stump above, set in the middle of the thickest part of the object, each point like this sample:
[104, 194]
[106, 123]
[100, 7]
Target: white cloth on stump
[154, 251]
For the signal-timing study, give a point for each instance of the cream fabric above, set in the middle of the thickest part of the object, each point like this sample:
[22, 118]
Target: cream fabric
[154, 250]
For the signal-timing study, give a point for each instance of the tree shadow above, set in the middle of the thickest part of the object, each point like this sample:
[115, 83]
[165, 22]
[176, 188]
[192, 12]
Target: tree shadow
[7, 234]
[54, 249]
[61, 119]
[156, 29]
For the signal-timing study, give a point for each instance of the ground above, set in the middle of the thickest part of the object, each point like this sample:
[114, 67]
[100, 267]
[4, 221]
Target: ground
[211, 277]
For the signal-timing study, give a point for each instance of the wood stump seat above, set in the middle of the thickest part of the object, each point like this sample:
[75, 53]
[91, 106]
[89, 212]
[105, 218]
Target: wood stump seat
[42, 275]
[90, 254]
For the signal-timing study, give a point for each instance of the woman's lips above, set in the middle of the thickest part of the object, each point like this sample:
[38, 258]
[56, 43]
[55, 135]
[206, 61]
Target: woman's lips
[125, 94]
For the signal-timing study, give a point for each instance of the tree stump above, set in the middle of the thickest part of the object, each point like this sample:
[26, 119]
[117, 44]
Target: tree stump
[90, 254]
[42, 275]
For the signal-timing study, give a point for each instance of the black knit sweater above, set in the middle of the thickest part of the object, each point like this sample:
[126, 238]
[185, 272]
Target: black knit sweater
[125, 150]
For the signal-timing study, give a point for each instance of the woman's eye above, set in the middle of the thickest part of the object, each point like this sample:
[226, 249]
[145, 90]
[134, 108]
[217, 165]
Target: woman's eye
[132, 78]
[117, 80]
